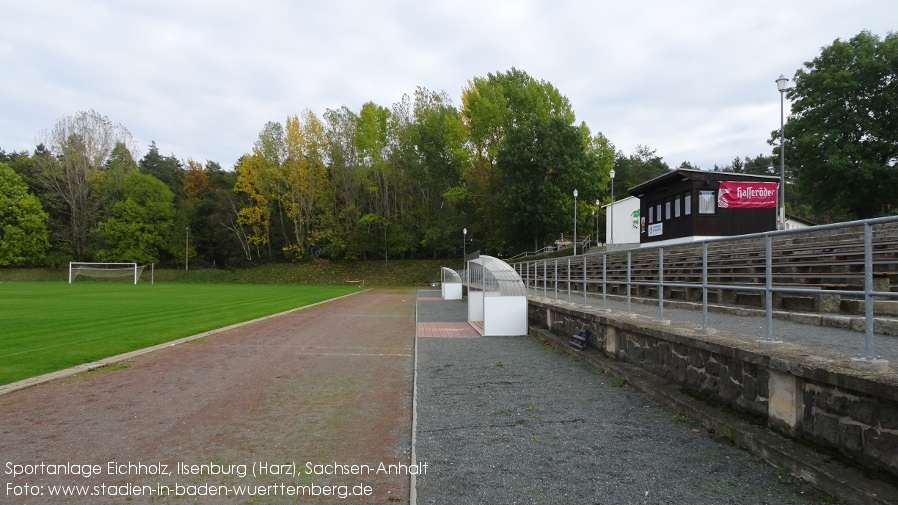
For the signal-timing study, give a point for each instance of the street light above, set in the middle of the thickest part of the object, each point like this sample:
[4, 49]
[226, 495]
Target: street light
[597, 221]
[186, 247]
[781, 85]
[611, 207]
[464, 253]
[575, 222]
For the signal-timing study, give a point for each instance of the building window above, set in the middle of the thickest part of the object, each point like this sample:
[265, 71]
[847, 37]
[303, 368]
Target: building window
[706, 203]
[667, 213]
[677, 206]
[687, 203]
[651, 214]
[658, 210]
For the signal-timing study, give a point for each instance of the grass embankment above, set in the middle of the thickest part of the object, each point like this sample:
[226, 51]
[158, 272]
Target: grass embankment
[315, 272]
[48, 326]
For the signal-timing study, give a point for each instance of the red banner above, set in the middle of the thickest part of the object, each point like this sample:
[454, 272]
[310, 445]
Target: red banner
[747, 195]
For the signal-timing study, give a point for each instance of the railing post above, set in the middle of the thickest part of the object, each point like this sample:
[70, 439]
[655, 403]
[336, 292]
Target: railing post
[555, 280]
[869, 362]
[584, 280]
[868, 292]
[629, 255]
[526, 276]
[569, 279]
[531, 277]
[768, 294]
[604, 280]
[768, 250]
[545, 278]
[705, 329]
[661, 287]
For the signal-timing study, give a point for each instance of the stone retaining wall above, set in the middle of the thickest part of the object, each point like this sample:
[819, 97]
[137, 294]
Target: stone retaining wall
[819, 399]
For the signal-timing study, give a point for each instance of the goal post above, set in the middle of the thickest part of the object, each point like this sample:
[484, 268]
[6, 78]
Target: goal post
[89, 269]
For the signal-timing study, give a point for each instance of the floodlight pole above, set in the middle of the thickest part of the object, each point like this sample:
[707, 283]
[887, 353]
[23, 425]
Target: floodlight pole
[575, 222]
[186, 247]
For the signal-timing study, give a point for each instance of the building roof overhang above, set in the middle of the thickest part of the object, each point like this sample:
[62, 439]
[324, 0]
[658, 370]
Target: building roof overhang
[680, 175]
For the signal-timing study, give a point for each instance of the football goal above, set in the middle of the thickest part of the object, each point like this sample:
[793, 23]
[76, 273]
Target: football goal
[104, 270]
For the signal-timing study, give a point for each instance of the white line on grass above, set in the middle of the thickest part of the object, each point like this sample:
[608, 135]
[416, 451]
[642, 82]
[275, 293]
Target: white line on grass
[57, 345]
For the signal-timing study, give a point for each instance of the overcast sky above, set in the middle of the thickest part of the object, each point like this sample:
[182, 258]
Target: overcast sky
[693, 80]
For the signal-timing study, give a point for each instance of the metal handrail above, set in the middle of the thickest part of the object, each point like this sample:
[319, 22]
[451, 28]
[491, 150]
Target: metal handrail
[839, 255]
[544, 250]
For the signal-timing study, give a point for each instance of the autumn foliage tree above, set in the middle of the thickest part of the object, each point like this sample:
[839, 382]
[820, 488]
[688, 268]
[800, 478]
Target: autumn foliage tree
[253, 178]
[380, 182]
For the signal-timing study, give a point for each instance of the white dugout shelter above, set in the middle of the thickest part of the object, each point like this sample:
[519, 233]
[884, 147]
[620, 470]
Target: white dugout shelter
[450, 284]
[497, 298]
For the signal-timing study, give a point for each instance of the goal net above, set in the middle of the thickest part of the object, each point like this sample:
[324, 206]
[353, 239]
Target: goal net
[132, 270]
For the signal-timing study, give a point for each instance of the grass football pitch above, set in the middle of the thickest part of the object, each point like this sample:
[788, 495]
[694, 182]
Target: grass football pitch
[49, 326]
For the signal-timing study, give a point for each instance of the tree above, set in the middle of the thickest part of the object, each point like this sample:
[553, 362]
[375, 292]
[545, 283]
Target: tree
[491, 108]
[211, 215]
[119, 165]
[24, 239]
[258, 181]
[22, 164]
[253, 174]
[842, 133]
[541, 163]
[637, 168]
[372, 146]
[759, 165]
[438, 143]
[167, 169]
[139, 224]
[80, 147]
[302, 179]
[196, 179]
[346, 181]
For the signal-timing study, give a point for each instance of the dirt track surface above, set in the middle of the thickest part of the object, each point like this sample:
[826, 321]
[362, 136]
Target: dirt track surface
[328, 385]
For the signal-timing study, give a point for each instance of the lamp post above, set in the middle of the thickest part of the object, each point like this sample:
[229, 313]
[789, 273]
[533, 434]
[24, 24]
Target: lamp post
[464, 253]
[575, 222]
[611, 208]
[781, 85]
[597, 221]
[186, 247]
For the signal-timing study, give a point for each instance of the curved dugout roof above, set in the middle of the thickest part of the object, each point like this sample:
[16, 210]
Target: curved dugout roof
[449, 275]
[492, 274]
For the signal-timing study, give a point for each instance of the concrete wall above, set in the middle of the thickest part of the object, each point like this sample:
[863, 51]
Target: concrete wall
[817, 399]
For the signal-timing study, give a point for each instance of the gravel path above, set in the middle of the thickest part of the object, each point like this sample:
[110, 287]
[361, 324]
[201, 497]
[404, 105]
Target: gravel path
[505, 420]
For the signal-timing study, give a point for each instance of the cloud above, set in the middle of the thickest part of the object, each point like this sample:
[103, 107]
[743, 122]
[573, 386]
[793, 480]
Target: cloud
[694, 79]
